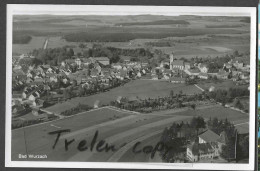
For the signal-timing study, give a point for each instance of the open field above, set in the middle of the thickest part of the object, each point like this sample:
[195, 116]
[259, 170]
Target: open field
[185, 35]
[124, 128]
[35, 43]
[38, 41]
[109, 31]
[137, 88]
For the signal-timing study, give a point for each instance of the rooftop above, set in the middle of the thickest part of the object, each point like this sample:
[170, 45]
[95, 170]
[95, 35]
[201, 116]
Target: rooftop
[209, 136]
[101, 58]
[178, 62]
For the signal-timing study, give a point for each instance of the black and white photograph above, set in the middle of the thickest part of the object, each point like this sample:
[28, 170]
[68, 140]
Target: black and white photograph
[111, 86]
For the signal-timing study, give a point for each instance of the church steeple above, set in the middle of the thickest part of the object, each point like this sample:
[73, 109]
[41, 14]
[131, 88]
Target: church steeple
[171, 59]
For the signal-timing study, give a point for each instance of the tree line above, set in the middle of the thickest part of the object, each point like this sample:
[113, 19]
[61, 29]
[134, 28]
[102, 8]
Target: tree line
[21, 39]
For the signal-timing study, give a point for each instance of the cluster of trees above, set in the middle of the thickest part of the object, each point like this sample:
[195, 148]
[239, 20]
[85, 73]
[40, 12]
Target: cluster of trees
[177, 137]
[96, 87]
[242, 146]
[125, 34]
[157, 22]
[26, 62]
[196, 79]
[91, 88]
[21, 39]
[238, 104]
[224, 26]
[16, 125]
[114, 53]
[246, 20]
[161, 103]
[219, 126]
[105, 37]
[77, 109]
[159, 44]
[214, 64]
[237, 145]
[25, 123]
[52, 56]
[226, 96]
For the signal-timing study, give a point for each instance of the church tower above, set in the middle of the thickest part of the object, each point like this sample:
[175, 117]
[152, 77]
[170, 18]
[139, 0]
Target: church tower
[171, 60]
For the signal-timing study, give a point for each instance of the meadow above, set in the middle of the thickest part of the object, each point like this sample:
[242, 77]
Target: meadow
[128, 128]
[128, 32]
[141, 89]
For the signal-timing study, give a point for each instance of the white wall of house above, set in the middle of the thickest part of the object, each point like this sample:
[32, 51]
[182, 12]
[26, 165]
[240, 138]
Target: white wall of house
[201, 140]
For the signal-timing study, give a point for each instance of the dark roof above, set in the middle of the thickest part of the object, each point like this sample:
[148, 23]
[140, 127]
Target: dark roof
[194, 70]
[18, 72]
[209, 136]
[197, 148]
[178, 62]
[101, 58]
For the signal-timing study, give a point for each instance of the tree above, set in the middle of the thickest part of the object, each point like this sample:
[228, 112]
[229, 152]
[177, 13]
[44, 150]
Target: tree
[74, 83]
[193, 106]
[238, 104]
[78, 54]
[114, 59]
[170, 138]
[244, 146]
[235, 53]
[65, 94]
[81, 90]
[86, 53]
[70, 53]
[197, 123]
[171, 94]
[228, 150]
[82, 46]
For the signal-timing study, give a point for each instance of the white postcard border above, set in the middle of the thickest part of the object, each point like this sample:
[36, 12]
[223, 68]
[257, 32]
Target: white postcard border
[117, 10]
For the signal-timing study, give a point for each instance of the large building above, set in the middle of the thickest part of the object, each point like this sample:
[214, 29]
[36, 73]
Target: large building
[179, 64]
[207, 147]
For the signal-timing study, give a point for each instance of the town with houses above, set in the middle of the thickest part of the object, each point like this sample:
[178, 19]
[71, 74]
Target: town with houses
[31, 86]
[41, 86]
[145, 88]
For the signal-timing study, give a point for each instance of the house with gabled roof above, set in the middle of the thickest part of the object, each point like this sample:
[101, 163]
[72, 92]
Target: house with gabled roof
[33, 97]
[177, 64]
[207, 146]
[208, 136]
[102, 60]
[203, 75]
[94, 72]
[192, 72]
[222, 74]
[203, 68]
